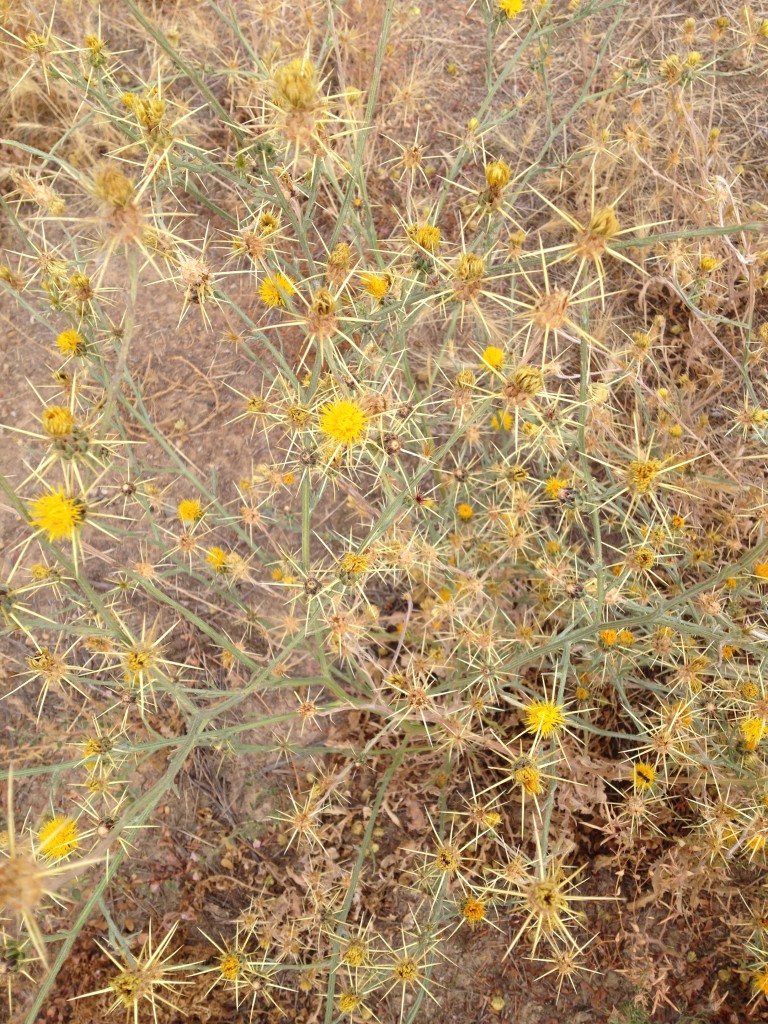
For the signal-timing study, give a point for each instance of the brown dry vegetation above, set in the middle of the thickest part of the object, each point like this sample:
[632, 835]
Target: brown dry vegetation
[383, 608]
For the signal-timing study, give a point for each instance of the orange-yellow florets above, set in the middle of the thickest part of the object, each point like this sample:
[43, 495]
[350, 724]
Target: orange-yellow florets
[57, 515]
[57, 421]
[343, 421]
[544, 717]
[274, 290]
[71, 343]
[58, 838]
[493, 357]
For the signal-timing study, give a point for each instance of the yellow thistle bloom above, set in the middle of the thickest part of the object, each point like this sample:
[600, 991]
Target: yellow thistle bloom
[473, 910]
[354, 564]
[604, 223]
[608, 637]
[470, 268]
[528, 776]
[274, 290]
[544, 717]
[641, 475]
[493, 357]
[510, 8]
[465, 511]
[554, 486]
[525, 381]
[189, 510]
[58, 838]
[57, 421]
[761, 570]
[497, 174]
[71, 343]
[218, 559]
[349, 1002]
[113, 187]
[296, 85]
[343, 421]
[447, 859]
[355, 954]
[643, 775]
[230, 964]
[269, 222]
[376, 285]
[426, 236]
[752, 731]
[755, 843]
[58, 515]
[340, 257]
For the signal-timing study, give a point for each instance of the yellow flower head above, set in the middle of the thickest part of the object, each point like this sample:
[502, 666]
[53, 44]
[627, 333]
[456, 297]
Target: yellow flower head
[493, 357]
[58, 515]
[760, 981]
[113, 187]
[761, 570]
[230, 964]
[554, 486]
[528, 776]
[426, 236]
[643, 775]
[608, 637]
[641, 475]
[354, 564]
[525, 381]
[544, 717]
[465, 511]
[343, 421]
[510, 8]
[340, 257]
[355, 954]
[349, 1002]
[71, 343]
[58, 838]
[57, 421]
[470, 268]
[473, 910]
[604, 223]
[218, 559]
[447, 859]
[752, 731]
[269, 222]
[376, 285]
[296, 85]
[273, 290]
[189, 510]
[497, 174]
